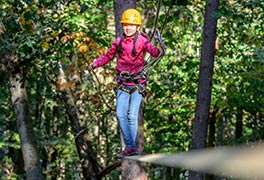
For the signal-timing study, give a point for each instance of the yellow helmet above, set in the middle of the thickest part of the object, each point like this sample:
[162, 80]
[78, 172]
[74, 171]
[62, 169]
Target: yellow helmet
[131, 16]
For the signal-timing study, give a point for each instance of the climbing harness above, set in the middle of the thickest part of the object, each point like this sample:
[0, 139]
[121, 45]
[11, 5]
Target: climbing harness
[126, 76]
[140, 87]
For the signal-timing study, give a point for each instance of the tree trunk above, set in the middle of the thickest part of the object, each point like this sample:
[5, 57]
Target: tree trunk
[212, 134]
[53, 155]
[20, 103]
[200, 125]
[135, 170]
[212, 128]
[90, 167]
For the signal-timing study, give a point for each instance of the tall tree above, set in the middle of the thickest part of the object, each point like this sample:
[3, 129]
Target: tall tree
[200, 126]
[18, 92]
[86, 155]
[12, 62]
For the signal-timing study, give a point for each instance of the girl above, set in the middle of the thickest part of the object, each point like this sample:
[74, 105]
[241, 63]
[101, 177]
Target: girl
[131, 47]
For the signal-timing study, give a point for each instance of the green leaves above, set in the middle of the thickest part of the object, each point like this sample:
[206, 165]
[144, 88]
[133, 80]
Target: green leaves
[74, 33]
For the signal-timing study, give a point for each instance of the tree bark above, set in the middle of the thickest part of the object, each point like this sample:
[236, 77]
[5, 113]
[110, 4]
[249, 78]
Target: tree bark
[200, 126]
[53, 155]
[212, 128]
[20, 103]
[211, 138]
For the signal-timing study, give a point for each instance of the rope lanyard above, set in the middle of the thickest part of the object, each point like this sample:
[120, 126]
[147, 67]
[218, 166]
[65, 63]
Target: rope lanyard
[159, 38]
[156, 20]
[142, 72]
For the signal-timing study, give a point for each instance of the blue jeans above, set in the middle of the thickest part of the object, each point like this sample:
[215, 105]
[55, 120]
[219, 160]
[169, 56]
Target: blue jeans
[127, 108]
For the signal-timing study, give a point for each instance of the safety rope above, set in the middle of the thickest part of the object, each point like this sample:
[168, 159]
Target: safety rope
[156, 20]
[157, 34]
[151, 63]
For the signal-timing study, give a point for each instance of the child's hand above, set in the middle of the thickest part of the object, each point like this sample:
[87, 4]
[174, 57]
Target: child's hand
[92, 66]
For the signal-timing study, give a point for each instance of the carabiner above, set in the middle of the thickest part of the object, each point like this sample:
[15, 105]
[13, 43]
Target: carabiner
[158, 36]
[125, 75]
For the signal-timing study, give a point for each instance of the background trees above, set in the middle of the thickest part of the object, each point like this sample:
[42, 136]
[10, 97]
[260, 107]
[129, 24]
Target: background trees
[53, 37]
[204, 92]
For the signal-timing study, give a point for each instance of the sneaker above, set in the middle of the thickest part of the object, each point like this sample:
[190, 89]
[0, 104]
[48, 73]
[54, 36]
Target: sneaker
[129, 151]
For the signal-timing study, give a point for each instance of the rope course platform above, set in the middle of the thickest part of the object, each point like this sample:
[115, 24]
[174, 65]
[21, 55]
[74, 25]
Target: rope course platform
[242, 161]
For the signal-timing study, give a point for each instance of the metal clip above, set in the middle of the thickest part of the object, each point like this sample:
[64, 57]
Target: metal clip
[158, 36]
[125, 76]
[141, 89]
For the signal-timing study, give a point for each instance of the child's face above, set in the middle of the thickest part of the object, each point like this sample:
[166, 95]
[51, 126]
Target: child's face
[130, 29]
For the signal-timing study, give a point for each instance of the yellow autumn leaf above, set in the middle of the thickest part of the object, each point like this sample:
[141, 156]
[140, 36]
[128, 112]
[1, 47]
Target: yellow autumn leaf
[83, 48]
[45, 45]
[86, 39]
[54, 34]
[65, 38]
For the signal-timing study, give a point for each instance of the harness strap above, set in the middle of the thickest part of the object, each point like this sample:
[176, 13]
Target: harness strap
[125, 88]
[125, 76]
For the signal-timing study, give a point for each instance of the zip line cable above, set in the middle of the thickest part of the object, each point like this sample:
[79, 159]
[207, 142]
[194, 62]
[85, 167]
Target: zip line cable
[240, 161]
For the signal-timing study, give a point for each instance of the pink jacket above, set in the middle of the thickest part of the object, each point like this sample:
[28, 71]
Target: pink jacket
[125, 60]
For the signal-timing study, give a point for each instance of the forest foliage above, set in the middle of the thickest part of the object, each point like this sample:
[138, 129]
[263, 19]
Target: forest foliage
[47, 35]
